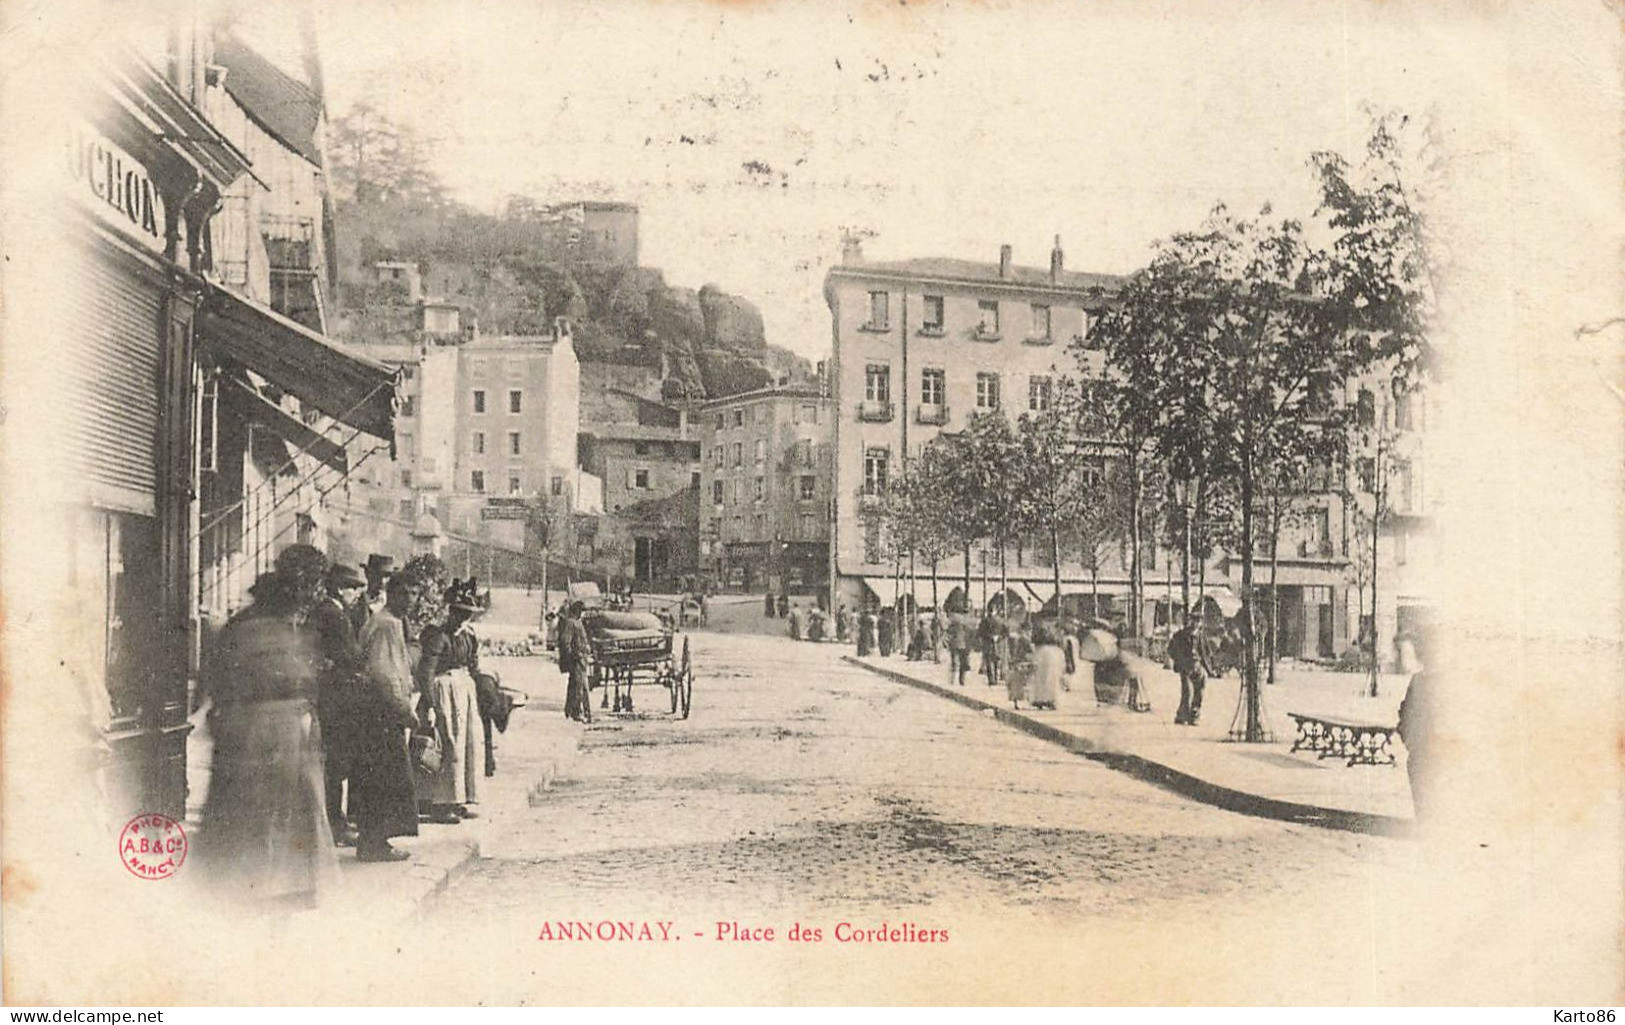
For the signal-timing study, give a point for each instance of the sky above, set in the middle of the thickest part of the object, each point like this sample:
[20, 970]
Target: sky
[753, 134]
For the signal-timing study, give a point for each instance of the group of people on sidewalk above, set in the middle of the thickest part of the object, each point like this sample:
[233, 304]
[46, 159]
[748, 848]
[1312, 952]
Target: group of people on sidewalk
[1033, 658]
[347, 707]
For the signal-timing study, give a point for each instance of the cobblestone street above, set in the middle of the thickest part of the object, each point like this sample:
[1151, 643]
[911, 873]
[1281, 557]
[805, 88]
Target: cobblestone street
[803, 783]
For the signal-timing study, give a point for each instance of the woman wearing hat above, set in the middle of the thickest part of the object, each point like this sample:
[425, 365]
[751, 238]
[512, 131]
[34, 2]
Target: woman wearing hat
[449, 659]
[265, 835]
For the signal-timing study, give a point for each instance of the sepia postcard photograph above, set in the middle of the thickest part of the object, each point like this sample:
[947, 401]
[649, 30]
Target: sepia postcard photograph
[711, 502]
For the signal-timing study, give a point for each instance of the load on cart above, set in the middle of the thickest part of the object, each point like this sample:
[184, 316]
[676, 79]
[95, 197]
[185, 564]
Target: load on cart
[631, 649]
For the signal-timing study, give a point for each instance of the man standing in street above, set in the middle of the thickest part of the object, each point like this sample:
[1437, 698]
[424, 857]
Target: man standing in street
[379, 569]
[573, 653]
[381, 794]
[338, 696]
[1186, 656]
[959, 637]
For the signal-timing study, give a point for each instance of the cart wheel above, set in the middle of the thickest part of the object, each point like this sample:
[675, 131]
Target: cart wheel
[684, 682]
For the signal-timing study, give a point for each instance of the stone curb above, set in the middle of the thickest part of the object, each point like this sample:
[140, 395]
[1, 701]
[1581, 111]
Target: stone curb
[1157, 774]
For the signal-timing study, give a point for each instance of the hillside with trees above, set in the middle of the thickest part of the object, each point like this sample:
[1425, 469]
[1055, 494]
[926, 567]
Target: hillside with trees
[389, 206]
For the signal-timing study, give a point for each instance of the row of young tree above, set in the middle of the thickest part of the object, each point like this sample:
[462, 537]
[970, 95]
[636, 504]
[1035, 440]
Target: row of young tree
[1229, 362]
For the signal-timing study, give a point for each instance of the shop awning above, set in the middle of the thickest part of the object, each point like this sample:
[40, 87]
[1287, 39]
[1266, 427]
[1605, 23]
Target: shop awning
[264, 413]
[348, 387]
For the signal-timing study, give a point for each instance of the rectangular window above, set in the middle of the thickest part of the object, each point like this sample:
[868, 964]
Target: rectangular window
[716, 492]
[1040, 321]
[809, 413]
[640, 480]
[515, 484]
[1089, 340]
[719, 421]
[1404, 498]
[1365, 471]
[877, 383]
[739, 453]
[933, 386]
[878, 310]
[476, 480]
[516, 401]
[513, 443]
[808, 527]
[406, 478]
[406, 509]
[717, 456]
[809, 485]
[640, 448]
[871, 542]
[761, 489]
[932, 320]
[1038, 392]
[987, 391]
[479, 443]
[409, 405]
[761, 451]
[739, 418]
[1365, 408]
[1093, 471]
[988, 312]
[874, 471]
[479, 400]
[1402, 412]
[558, 486]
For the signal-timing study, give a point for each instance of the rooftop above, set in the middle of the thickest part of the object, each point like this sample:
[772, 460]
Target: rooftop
[974, 272]
[774, 391]
[287, 109]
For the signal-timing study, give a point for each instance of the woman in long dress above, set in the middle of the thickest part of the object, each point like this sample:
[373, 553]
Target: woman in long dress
[449, 659]
[1048, 665]
[265, 837]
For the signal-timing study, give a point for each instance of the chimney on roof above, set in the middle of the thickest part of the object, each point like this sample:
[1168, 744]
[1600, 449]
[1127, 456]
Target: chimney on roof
[1004, 261]
[851, 250]
[1057, 262]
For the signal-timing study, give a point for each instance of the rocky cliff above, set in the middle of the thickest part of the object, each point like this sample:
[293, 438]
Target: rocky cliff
[710, 342]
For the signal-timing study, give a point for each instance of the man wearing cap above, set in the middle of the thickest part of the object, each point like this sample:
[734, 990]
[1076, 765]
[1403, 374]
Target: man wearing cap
[338, 695]
[573, 652]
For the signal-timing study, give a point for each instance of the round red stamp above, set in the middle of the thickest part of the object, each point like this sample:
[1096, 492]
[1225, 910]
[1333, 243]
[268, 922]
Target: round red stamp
[152, 846]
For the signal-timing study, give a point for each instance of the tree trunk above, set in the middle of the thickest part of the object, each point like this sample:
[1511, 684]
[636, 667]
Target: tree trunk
[1185, 556]
[1376, 526]
[1136, 573]
[1196, 526]
[967, 573]
[1094, 587]
[1055, 555]
[935, 604]
[1004, 583]
[1275, 562]
[1249, 642]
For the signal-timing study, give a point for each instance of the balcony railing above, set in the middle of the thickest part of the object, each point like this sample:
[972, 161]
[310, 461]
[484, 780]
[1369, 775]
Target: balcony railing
[875, 412]
[290, 242]
[933, 416]
[1316, 549]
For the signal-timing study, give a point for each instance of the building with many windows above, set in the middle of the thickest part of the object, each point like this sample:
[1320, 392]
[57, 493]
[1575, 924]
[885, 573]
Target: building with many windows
[765, 489]
[922, 344]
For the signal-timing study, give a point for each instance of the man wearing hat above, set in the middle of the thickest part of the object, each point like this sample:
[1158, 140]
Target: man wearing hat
[573, 653]
[338, 694]
[379, 568]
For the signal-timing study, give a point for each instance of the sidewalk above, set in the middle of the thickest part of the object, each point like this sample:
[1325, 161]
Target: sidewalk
[1201, 762]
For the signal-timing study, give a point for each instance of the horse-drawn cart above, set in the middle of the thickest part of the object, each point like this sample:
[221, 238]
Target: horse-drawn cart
[633, 649]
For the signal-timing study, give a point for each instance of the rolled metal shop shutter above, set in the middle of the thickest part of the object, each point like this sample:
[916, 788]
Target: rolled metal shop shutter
[112, 360]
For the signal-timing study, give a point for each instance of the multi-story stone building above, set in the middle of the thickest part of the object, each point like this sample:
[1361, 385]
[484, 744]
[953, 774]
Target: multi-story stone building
[920, 345]
[647, 455]
[207, 419]
[764, 505]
